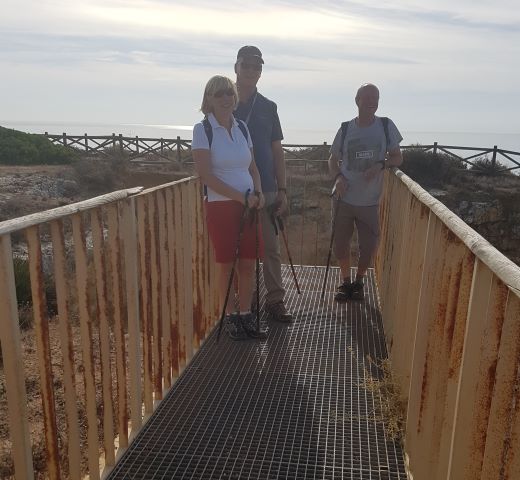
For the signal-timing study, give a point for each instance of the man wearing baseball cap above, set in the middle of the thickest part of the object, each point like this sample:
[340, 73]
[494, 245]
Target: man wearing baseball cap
[261, 116]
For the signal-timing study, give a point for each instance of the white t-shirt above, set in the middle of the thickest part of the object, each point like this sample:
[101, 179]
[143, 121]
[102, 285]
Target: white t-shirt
[230, 155]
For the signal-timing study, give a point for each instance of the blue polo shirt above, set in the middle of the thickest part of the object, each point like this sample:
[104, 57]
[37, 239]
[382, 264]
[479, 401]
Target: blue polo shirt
[264, 126]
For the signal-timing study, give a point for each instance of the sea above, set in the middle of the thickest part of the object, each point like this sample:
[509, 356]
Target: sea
[478, 140]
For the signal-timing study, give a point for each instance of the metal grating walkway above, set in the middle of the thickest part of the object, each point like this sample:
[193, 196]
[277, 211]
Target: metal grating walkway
[292, 407]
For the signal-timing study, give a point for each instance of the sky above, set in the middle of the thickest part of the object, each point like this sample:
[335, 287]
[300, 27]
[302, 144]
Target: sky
[441, 66]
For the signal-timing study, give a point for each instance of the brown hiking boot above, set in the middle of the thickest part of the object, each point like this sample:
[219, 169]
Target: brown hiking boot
[278, 312]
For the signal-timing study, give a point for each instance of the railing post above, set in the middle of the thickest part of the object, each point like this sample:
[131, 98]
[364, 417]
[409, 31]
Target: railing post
[136, 144]
[86, 142]
[13, 365]
[435, 148]
[162, 145]
[494, 158]
[178, 149]
[121, 147]
[64, 139]
[114, 141]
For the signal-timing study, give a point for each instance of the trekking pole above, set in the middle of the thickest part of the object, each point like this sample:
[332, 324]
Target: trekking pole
[282, 229]
[232, 274]
[257, 274]
[330, 246]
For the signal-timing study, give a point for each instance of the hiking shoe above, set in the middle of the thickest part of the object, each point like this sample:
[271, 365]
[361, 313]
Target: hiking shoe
[278, 312]
[357, 292]
[234, 327]
[344, 292]
[249, 325]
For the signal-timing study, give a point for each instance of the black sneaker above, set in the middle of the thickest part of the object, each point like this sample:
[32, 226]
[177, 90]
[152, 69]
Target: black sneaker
[234, 327]
[278, 312]
[344, 292]
[249, 325]
[357, 292]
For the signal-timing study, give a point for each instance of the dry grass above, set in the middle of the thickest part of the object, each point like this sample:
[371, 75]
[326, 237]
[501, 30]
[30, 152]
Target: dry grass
[392, 406]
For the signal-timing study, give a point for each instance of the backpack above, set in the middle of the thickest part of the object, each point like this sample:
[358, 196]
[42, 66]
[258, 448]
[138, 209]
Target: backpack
[209, 130]
[344, 128]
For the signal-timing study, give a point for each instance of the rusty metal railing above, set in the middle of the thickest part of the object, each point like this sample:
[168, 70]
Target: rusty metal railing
[135, 294]
[451, 309]
[134, 283]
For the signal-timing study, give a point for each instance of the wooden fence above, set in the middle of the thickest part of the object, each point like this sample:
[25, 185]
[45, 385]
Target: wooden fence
[179, 149]
[450, 304]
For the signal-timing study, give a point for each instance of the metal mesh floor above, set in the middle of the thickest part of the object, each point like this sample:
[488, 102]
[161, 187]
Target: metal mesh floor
[291, 407]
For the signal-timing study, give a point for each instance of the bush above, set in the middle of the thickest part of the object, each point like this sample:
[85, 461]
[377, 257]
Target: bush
[19, 148]
[22, 280]
[485, 166]
[431, 170]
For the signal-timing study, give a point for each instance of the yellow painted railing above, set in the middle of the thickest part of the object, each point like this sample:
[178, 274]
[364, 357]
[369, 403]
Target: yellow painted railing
[451, 308]
[133, 277]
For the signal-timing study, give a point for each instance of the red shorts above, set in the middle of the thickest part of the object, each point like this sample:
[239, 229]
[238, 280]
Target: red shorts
[223, 219]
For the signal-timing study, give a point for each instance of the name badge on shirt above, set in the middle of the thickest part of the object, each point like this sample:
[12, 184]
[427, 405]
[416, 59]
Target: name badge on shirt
[364, 155]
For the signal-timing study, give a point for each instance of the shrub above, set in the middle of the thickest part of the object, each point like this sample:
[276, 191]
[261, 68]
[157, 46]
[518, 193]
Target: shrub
[431, 170]
[22, 280]
[485, 166]
[19, 148]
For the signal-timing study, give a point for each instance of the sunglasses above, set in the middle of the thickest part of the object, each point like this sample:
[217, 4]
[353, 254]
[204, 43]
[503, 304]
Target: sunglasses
[257, 67]
[225, 91]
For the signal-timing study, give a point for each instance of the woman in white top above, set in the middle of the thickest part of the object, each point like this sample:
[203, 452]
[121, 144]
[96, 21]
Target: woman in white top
[223, 156]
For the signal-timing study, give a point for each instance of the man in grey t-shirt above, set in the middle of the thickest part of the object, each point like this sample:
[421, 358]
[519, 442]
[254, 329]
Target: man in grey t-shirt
[357, 165]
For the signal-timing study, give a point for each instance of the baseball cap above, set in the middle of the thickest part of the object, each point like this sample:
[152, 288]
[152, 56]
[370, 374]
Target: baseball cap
[250, 51]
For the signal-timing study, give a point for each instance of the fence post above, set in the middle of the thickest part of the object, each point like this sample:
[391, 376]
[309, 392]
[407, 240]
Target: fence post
[494, 159]
[86, 142]
[179, 149]
[64, 139]
[162, 145]
[121, 148]
[435, 148]
[114, 141]
[136, 144]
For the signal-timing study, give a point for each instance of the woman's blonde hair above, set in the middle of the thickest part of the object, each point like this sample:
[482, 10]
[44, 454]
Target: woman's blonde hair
[216, 83]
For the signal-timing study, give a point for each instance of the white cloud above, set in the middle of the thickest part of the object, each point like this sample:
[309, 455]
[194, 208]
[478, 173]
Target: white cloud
[440, 64]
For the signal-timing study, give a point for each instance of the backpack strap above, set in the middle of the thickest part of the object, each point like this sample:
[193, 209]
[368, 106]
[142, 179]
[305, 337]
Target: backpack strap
[208, 130]
[344, 128]
[243, 129]
[385, 128]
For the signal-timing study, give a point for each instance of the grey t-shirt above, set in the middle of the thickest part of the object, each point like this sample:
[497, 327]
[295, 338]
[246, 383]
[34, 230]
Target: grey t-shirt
[363, 147]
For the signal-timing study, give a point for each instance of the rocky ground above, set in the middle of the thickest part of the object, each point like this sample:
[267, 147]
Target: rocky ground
[29, 189]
